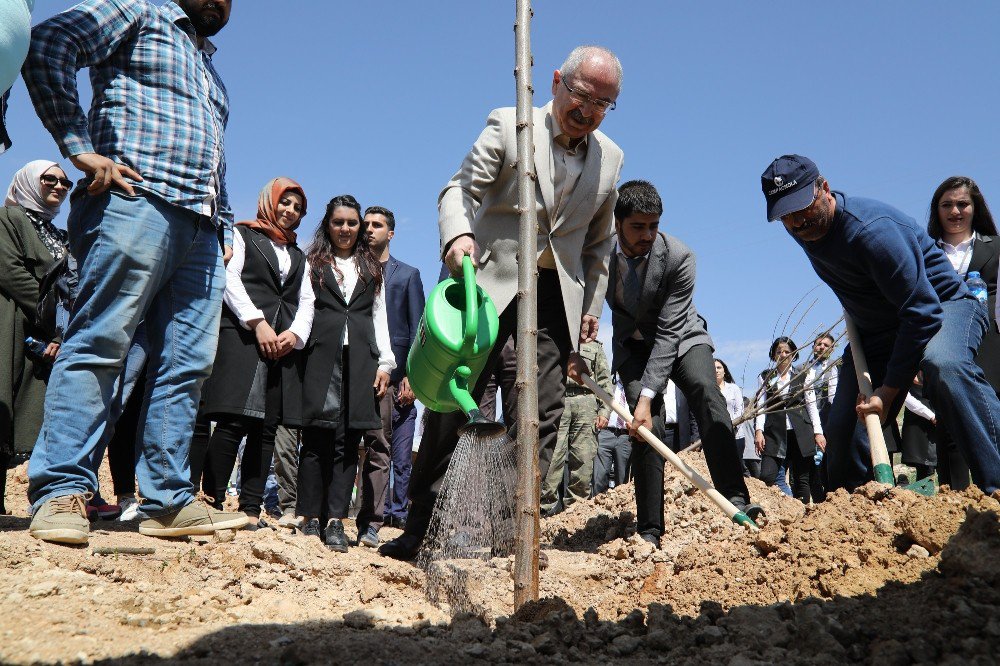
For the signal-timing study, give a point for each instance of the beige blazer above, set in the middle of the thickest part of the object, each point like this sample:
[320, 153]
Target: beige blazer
[482, 199]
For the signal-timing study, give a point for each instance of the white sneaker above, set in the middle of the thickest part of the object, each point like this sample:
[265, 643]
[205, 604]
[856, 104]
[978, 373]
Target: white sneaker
[290, 520]
[130, 510]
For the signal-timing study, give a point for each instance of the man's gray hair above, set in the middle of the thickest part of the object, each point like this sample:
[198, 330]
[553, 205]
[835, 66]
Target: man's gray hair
[578, 55]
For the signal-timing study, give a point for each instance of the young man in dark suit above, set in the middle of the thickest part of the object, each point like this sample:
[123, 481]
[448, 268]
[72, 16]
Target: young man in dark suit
[404, 300]
[657, 336]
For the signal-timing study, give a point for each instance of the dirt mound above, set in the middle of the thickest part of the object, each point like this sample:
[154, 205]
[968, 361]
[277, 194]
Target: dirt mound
[870, 576]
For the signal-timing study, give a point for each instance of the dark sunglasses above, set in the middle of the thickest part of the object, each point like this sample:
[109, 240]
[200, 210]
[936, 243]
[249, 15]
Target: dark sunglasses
[51, 181]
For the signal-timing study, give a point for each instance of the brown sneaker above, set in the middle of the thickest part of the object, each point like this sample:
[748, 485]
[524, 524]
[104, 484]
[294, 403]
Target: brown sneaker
[62, 520]
[194, 519]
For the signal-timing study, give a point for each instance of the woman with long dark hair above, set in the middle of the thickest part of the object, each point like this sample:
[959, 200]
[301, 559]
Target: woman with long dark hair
[961, 223]
[347, 364]
[267, 316]
[790, 429]
[735, 406]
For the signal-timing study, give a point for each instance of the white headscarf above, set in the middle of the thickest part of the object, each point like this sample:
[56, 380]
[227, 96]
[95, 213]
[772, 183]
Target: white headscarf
[26, 189]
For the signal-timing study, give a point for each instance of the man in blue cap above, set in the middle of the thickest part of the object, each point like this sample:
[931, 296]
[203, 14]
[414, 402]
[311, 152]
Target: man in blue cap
[912, 311]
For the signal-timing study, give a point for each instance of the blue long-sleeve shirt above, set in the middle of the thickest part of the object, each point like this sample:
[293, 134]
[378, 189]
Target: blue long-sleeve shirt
[889, 276]
[159, 105]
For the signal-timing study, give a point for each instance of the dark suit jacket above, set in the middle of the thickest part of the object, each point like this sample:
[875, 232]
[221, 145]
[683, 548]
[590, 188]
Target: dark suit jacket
[404, 300]
[666, 316]
[985, 255]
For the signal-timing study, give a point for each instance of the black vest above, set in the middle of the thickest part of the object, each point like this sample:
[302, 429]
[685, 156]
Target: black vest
[794, 407]
[324, 373]
[239, 376]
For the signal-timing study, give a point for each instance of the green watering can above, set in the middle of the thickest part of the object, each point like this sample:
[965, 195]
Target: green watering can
[454, 340]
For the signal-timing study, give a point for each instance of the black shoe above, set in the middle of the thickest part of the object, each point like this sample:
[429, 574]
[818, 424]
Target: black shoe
[752, 511]
[311, 528]
[335, 539]
[395, 521]
[256, 522]
[404, 547]
[651, 538]
[369, 537]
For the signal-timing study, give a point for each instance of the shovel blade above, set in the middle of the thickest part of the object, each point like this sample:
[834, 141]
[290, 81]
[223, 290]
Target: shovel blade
[924, 487]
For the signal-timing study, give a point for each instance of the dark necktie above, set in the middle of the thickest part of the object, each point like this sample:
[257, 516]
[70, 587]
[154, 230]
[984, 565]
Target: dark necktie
[632, 288]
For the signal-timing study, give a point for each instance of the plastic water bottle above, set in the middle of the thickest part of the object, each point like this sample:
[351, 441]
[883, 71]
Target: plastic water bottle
[976, 285]
[36, 347]
[818, 457]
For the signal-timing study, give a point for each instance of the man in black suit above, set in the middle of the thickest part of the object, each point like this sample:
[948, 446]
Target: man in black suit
[404, 300]
[657, 336]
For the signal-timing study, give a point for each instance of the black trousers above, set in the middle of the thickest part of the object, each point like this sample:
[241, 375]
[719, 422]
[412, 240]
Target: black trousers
[256, 463]
[123, 451]
[201, 475]
[803, 472]
[328, 462]
[441, 430]
[952, 468]
[5, 459]
[694, 375]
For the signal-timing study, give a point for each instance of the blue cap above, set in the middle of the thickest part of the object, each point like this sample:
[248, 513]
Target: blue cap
[788, 185]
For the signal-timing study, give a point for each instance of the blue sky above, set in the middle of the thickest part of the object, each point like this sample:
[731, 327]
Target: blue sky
[383, 99]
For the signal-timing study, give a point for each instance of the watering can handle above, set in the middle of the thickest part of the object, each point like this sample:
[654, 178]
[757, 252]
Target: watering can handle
[471, 304]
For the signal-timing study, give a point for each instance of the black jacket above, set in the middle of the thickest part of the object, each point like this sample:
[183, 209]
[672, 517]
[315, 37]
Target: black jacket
[239, 376]
[324, 373]
[775, 430]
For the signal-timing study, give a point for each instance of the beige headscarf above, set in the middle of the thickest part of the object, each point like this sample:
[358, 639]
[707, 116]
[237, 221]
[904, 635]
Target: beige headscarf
[26, 189]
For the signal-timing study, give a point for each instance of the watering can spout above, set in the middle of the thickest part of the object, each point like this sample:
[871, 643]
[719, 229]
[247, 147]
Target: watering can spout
[482, 426]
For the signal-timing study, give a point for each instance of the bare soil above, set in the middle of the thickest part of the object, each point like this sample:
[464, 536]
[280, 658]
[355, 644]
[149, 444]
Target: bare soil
[871, 577]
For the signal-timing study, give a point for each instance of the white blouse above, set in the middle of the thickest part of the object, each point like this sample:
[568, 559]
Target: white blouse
[349, 269]
[782, 386]
[236, 297]
[734, 399]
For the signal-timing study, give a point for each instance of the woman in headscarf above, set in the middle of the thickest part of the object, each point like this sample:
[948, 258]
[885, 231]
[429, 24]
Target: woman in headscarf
[29, 246]
[266, 318]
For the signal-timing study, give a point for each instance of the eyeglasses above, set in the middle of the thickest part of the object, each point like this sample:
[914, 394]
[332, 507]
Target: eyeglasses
[602, 106]
[52, 181]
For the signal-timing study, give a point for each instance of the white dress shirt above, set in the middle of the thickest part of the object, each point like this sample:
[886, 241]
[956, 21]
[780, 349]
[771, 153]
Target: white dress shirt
[831, 372]
[349, 269]
[734, 399]
[959, 255]
[918, 408]
[670, 404]
[236, 297]
[781, 383]
[616, 421]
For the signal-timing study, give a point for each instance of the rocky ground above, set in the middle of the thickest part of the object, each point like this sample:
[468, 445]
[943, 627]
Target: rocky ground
[869, 577]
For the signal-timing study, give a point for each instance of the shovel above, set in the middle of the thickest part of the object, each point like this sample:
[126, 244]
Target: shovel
[873, 424]
[727, 507]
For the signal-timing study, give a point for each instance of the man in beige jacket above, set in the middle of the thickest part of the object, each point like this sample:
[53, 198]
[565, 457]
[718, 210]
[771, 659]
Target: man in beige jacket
[577, 168]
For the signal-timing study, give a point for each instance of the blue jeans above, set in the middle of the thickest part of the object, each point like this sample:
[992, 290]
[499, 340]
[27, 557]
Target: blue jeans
[963, 400]
[140, 258]
[271, 490]
[782, 479]
[404, 422]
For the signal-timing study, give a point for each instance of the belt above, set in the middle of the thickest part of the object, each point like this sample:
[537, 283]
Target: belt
[617, 432]
[572, 391]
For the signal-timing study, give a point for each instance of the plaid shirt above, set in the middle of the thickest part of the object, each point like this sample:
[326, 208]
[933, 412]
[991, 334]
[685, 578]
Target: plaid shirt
[159, 105]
